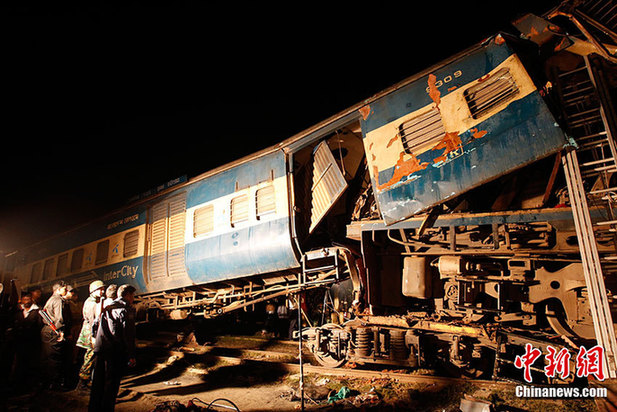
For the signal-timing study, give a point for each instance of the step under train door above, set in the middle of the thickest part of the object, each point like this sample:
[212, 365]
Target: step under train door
[166, 264]
[328, 184]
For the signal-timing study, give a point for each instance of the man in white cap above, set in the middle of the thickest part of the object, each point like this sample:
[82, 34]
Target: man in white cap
[91, 311]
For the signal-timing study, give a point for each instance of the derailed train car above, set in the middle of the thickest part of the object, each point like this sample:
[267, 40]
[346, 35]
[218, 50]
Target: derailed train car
[442, 199]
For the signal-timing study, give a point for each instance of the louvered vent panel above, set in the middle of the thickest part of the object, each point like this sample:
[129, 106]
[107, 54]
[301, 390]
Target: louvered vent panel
[239, 209]
[158, 242]
[265, 201]
[177, 219]
[496, 90]
[328, 183]
[421, 133]
[203, 220]
[131, 243]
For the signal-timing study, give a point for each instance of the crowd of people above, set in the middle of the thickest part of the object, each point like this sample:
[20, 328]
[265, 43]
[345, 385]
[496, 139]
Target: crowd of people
[65, 344]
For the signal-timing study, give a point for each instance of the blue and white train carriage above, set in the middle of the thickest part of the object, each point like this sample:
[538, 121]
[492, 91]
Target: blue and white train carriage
[339, 200]
[420, 143]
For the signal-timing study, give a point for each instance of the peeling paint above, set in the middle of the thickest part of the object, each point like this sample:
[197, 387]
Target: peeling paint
[478, 134]
[450, 142]
[376, 174]
[484, 78]
[433, 92]
[365, 111]
[401, 169]
[393, 140]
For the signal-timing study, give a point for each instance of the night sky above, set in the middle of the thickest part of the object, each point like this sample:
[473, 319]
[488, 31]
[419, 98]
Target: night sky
[103, 101]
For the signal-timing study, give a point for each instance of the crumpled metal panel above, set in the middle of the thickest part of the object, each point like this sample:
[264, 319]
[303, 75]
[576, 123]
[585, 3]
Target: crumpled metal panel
[475, 148]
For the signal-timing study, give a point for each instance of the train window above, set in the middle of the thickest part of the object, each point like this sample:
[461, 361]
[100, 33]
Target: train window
[265, 201]
[239, 211]
[102, 251]
[497, 89]
[37, 270]
[63, 265]
[422, 132]
[78, 260]
[131, 243]
[48, 269]
[203, 220]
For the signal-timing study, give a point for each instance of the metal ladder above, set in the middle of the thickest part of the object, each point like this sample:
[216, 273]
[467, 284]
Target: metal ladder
[602, 12]
[594, 161]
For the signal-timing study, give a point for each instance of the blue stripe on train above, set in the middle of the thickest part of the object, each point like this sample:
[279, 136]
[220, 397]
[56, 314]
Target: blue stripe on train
[239, 177]
[261, 248]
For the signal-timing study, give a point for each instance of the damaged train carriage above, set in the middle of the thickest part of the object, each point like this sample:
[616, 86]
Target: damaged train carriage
[494, 262]
[442, 199]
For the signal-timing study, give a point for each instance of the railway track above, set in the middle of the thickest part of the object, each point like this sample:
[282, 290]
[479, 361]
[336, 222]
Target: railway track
[243, 351]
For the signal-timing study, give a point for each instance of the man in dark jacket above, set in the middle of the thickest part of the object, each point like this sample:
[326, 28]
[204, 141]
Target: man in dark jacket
[114, 348]
[55, 346]
[28, 324]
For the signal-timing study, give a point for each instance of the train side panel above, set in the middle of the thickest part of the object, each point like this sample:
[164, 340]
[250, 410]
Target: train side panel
[109, 249]
[449, 131]
[243, 222]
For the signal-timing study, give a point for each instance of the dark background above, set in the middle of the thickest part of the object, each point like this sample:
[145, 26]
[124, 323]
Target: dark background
[101, 102]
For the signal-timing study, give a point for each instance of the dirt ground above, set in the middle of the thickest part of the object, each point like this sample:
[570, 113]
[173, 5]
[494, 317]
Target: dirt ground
[167, 376]
[266, 389]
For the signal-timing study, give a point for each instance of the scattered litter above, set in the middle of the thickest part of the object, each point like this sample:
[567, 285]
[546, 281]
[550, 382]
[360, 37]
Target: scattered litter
[323, 381]
[313, 393]
[191, 406]
[474, 405]
[370, 398]
[341, 394]
[169, 406]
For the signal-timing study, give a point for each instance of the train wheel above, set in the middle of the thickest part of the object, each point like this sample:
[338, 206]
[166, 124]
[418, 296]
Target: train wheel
[331, 351]
[558, 320]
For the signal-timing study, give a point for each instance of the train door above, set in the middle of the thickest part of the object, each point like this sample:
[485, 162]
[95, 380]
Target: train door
[165, 262]
[328, 177]
[328, 183]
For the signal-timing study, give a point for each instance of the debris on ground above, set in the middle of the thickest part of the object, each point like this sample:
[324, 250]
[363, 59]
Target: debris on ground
[341, 394]
[312, 392]
[370, 398]
[469, 404]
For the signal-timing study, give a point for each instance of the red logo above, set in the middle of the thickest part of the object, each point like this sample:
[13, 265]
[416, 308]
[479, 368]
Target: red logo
[525, 361]
[588, 362]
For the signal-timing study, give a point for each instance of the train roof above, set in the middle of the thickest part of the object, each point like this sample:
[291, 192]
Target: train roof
[332, 123]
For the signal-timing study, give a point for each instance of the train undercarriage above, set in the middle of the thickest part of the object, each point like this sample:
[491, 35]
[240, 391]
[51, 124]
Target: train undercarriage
[470, 296]
[464, 295]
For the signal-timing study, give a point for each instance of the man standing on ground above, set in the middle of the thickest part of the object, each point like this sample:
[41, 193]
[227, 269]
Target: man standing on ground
[114, 349]
[28, 325]
[55, 342]
[91, 310]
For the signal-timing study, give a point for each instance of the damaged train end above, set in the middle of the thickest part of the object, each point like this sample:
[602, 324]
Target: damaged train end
[470, 241]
